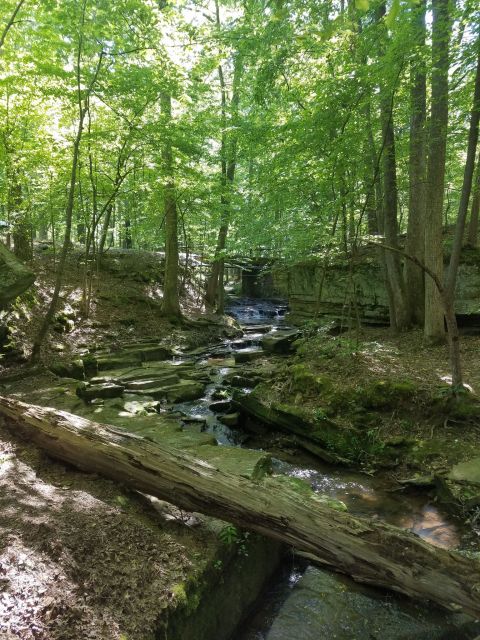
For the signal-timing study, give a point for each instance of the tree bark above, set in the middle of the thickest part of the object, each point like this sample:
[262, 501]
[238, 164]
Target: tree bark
[466, 186]
[415, 243]
[215, 293]
[369, 551]
[441, 29]
[171, 301]
[472, 238]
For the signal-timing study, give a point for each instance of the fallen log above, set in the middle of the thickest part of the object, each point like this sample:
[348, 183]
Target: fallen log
[369, 551]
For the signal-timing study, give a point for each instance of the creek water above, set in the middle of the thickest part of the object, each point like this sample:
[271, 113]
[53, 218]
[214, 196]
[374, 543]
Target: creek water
[363, 494]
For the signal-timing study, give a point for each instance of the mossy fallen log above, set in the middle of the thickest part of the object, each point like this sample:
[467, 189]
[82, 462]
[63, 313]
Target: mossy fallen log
[369, 551]
[15, 277]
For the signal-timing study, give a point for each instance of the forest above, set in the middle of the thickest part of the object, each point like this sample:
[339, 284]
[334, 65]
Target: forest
[239, 319]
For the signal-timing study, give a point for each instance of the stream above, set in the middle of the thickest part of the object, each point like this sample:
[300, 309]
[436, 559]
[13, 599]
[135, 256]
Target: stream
[364, 495]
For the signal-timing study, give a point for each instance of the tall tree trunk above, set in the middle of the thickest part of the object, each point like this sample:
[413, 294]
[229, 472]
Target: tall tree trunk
[441, 29]
[467, 184]
[415, 244]
[472, 238]
[171, 301]
[399, 313]
[400, 319]
[215, 293]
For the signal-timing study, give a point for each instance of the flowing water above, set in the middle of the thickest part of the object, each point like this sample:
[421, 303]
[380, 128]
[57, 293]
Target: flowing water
[363, 495]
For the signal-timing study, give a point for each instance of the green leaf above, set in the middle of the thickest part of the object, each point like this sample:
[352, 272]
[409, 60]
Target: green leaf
[362, 5]
[392, 14]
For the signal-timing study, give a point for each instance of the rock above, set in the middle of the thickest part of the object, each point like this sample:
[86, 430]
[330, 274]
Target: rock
[74, 369]
[220, 406]
[233, 379]
[331, 607]
[220, 394]
[280, 341]
[106, 390]
[180, 391]
[468, 471]
[230, 419]
[15, 277]
[319, 438]
[248, 355]
[118, 361]
[254, 465]
[140, 385]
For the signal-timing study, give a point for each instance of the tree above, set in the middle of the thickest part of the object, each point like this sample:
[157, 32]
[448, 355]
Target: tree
[171, 301]
[441, 29]
[415, 244]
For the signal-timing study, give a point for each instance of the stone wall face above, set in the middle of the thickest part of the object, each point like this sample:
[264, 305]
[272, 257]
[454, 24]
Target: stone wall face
[357, 291]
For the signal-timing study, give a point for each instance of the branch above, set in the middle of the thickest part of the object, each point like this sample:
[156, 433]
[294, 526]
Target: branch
[10, 23]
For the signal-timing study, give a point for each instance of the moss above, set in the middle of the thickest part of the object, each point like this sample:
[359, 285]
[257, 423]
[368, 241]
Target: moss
[305, 381]
[382, 394]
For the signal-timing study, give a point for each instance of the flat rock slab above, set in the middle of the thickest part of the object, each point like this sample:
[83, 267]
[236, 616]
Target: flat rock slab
[325, 606]
[468, 471]
[106, 390]
[142, 385]
[242, 462]
[280, 341]
[248, 355]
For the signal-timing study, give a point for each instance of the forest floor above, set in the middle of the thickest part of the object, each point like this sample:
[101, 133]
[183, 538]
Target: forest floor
[392, 392]
[125, 305]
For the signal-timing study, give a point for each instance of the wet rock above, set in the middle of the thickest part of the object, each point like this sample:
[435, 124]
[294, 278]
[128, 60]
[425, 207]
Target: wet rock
[220, 406]
[280, 341]
[325, 605]
[180, 391]
[230, 419]
[141, 385]
[320, 438]
[247, 355]
[233, 379]
[106, 390]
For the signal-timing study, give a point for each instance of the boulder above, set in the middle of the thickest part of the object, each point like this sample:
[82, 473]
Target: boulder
[468, 471]
[332, 607]
[220, 406]
[230, 419]
[247, 355]
[105, 390]
[280, 341]
[15, 277]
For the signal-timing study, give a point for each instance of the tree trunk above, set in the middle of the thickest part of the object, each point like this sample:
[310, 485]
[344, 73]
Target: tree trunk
[466, 186]
[441, 28]
[368, 550]
[215, 293]
[399, 319]
[415, 244]
[473, 224]
[170, 302]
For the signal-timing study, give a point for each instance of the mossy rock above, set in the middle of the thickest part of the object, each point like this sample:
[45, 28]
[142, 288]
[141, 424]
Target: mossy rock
[383, 394]
[305, 381]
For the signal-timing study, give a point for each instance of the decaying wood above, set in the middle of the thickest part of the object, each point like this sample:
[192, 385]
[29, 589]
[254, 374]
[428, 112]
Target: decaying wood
[369, 551]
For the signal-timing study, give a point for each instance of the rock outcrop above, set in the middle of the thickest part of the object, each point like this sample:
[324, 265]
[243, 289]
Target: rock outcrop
[15, 277]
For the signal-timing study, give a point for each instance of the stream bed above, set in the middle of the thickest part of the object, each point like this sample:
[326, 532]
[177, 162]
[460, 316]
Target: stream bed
[306, 602]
